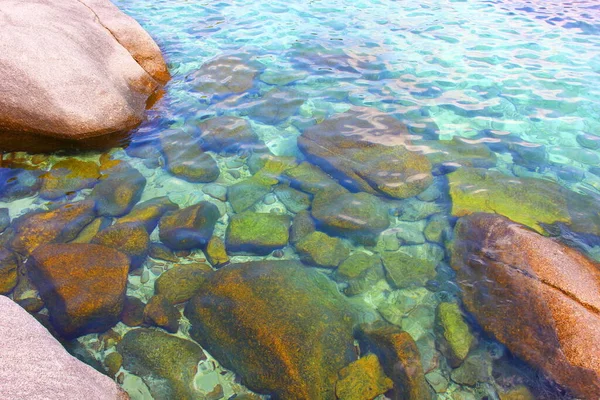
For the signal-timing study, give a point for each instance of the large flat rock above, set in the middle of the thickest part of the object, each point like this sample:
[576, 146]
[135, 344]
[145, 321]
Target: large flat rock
[75, 73]
[35, 366]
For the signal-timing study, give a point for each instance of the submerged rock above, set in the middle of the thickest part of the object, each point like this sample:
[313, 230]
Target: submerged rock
[82, 285]
[257, 233]
[4, 219]
[190, 227]
[366, 150]
[455, 334]
[227, 134]
[225, 75]
[161, 312]
[294, 200]
[360, 216]
[302, 225]
[542, 301]
[321, 250]
[119, 190]
[166, 363]
[18, 183]
[458, 151]
[129, 238]
[283, 328]
[36, 366]
[125, 62]
[148, 213]
[68, 176]
[57, 226]
[363, 379]
[405, 268]
[310, 179]
[215, 252]
[276, 106]
[360, 271]
[185, 158]
[8, 271]
[181, 282]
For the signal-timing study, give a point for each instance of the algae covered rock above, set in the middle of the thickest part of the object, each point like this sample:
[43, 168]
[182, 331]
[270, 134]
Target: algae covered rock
[227, 134]
[181, 282]
[406, 268]
[276, 106]
[309, 178]
[458, 151]
[366, 151]
[186, 159]
[190, 227]
[321, 250]
[119, 190]
[130, 239]
[133, 311]
[68, 176]
[360, 216]
[360, 271]
[549, 296]
[455, 332]
[166, 363]
[148, 213]
[56, 226]
[284, 328]
[8, 271]
[216, 253]
[294, 200]
[82, 285]
[363, 379]
[257, 233]
[243, 195]
[528, 201]
[302, 225]
[160, 312]
[399, 357]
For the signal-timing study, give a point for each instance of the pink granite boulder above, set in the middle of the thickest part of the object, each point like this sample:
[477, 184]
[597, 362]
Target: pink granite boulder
[75, 73]
[35, 366]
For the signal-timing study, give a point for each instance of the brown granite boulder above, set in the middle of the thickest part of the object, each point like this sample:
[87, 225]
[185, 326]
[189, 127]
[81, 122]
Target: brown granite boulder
[83, 285]
[367, 150]
[36, 366]
[85, 96]
[534, 294]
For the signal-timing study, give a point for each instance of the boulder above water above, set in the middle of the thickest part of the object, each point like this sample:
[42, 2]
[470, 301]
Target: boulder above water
[367, 150]
[46, 51]
[82, 285]
[284, 328]
[541, 301]
[36, 366]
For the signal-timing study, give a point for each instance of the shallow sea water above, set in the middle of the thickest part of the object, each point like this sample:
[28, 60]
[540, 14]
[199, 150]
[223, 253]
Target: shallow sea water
[521, 78]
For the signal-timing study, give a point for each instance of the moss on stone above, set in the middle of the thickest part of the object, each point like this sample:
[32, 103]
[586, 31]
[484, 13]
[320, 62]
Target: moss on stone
[257, 233]
[455, 330]
[322, 250]
[363, 379]
[181, 282]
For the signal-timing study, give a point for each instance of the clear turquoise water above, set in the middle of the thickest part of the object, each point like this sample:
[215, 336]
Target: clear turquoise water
[520, 77]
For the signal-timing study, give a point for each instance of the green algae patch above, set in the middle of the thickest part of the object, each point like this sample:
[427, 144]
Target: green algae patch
[528, 201]
[322, 250]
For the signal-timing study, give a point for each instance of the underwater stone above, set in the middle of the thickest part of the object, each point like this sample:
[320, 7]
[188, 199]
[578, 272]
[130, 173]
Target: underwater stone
[18, 183]
[82, 285]
[588, 141]
[459, 152]
[185, 158]
[399, 357]
[190, 227]
[360, 271]
[283, 77]
[160, 312]
[294, 200]
[60, 225]
[438, 382]
[119, 190]
[455, 332]
[181, 282]
[162, 252]
[413, 210]
[8, 271]
[130, 239]
[321, 250]
[216, 253]
[532, 156]
[363, 379]
[148, 213]
[227, 134]
[257, 233]
[133, 311]
[549, 294]
[245, 194]
[91, 230]
[528, 201]
[68, 176]
[366, 151]
[404, 269]
[360, 216]
[302, 225]
[215, 191]
[475, 369]
[410, 232]
[284, 328]
[4, 219]
[225, 75]
[113, 363]
[438, 229]
[517, 393]
[310, 179]
[166, 363]
[276, 106]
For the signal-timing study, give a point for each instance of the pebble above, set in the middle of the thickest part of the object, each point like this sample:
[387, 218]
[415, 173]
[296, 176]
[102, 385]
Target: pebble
[235, 174]
[145, 277]
[270, 199]
[437, 381]
[234, 163]
[215, 191]
[156, 271]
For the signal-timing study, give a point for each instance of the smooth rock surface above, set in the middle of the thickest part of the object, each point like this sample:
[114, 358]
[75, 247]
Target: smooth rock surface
[542, 301]
[85, 96]
[35, 366]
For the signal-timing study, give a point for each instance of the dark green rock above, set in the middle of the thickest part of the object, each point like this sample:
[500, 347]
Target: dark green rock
[321, 250]
[257, 233]
[166, 363]
[190, 227]
[181, 282]
[303, 224]
[284, 328]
